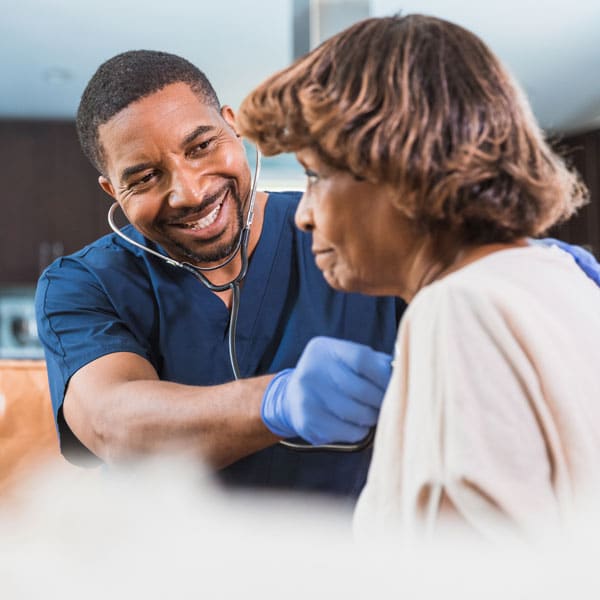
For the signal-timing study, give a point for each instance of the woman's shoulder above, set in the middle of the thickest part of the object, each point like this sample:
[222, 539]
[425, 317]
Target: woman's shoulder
[526, 288]
[504, 271]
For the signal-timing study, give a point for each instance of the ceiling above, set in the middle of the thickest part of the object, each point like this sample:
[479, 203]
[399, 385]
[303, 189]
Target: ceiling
[50, 48]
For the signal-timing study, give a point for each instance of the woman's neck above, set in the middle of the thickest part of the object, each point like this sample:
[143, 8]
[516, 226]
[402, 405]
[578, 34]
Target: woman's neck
[435, 257]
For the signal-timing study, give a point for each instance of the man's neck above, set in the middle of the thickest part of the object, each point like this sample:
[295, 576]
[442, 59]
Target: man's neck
[232, 269]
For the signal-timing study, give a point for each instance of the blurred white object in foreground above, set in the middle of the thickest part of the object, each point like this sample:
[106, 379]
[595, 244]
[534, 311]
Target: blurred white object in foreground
[164, 531]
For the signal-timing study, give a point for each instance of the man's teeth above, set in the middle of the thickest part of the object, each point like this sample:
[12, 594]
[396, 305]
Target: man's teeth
[204, 222]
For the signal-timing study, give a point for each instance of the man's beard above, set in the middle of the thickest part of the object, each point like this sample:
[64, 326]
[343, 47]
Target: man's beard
[222, 251]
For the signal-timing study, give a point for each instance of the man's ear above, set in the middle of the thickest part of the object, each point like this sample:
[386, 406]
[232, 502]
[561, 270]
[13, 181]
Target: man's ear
[106, 185]
[229, 117]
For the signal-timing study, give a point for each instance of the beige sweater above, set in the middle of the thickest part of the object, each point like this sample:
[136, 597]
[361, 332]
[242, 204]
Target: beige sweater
[492, 416]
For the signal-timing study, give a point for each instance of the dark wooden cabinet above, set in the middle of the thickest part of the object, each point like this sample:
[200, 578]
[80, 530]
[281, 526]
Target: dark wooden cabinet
[583, 152]
[52, 205]
[50, 199]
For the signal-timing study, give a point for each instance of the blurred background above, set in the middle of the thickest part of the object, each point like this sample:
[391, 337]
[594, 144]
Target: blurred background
[51, 202]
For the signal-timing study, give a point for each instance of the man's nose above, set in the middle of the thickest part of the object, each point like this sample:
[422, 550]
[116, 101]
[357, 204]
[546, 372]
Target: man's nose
[304, 214]
[187, 188]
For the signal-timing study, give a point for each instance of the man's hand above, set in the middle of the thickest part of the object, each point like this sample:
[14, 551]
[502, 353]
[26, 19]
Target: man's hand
[333, 394]
[586, 261]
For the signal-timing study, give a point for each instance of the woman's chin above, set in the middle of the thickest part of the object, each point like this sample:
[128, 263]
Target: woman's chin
[343, 283]
[349, 283]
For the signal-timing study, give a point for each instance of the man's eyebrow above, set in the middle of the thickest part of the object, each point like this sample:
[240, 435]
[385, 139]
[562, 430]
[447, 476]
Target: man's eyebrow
[198, 131]
[129, 171]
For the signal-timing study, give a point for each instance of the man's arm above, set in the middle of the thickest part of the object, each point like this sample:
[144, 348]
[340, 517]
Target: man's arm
[585, 260]
[118, 408]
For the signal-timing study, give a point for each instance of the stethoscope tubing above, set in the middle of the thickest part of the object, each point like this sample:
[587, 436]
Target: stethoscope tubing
[234, 286]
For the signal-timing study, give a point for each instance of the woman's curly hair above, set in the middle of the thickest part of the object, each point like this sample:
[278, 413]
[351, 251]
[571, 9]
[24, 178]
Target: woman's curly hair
[423, 104]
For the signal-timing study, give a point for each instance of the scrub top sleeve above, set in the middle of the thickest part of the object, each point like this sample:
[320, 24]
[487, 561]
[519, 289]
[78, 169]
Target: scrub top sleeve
[77, 323]
[400, 308]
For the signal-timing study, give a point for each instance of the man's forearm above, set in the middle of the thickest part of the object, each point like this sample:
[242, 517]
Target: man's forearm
[221, 423]
[119, 409]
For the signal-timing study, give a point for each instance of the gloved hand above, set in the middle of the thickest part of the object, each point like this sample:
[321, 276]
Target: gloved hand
[333, 394]
[586, 261]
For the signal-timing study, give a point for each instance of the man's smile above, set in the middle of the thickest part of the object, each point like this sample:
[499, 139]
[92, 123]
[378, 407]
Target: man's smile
[208, 221]
[204, 221]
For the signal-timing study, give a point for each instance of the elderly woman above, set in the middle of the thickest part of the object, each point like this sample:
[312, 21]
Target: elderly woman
[427, 177]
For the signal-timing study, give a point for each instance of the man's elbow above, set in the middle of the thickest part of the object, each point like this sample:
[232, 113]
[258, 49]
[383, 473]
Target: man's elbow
[99, 432]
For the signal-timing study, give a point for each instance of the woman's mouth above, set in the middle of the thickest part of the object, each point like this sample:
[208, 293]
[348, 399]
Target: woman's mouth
[323, 258]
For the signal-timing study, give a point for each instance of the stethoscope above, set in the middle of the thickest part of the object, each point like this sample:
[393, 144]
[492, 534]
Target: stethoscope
[234, 285]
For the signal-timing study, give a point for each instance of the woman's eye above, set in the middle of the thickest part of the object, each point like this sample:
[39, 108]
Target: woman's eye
[311, 176]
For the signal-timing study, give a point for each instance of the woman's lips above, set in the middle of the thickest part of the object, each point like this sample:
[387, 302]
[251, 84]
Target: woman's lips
[323, 257]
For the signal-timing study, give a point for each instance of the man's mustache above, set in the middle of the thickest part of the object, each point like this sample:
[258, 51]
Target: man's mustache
[191, 211]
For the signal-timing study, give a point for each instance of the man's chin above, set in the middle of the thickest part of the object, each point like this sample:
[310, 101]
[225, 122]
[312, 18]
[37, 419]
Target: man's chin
[207, 256]
[207, 252]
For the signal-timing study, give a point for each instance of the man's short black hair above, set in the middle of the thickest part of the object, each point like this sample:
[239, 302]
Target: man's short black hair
[126, 78]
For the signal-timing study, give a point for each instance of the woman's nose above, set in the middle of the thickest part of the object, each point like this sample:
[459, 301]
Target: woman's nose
[304, 214]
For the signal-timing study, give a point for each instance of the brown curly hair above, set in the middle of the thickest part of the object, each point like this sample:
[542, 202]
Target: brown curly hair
[423, 104]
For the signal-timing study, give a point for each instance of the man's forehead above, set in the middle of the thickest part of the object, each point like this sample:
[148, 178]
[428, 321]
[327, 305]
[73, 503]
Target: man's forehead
[169, 104]
[165, 117]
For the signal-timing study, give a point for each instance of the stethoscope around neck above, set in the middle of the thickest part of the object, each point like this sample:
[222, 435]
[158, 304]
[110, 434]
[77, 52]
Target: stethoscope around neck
[234, 285]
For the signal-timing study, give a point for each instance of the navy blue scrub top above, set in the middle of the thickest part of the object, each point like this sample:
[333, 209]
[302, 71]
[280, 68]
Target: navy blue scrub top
[112, 297]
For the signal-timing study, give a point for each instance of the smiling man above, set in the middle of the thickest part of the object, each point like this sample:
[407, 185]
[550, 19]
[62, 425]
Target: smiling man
[203, 221]
[136, 348]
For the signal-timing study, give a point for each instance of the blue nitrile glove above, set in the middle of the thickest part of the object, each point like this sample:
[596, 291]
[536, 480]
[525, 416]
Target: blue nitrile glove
[333, 394]
[586, 260]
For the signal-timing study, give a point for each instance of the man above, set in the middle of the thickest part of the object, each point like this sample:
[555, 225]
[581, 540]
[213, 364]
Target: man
[137, 349]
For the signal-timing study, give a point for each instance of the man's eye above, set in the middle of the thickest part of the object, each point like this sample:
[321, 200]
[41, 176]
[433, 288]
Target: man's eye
[147, 178]
[201, 147]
